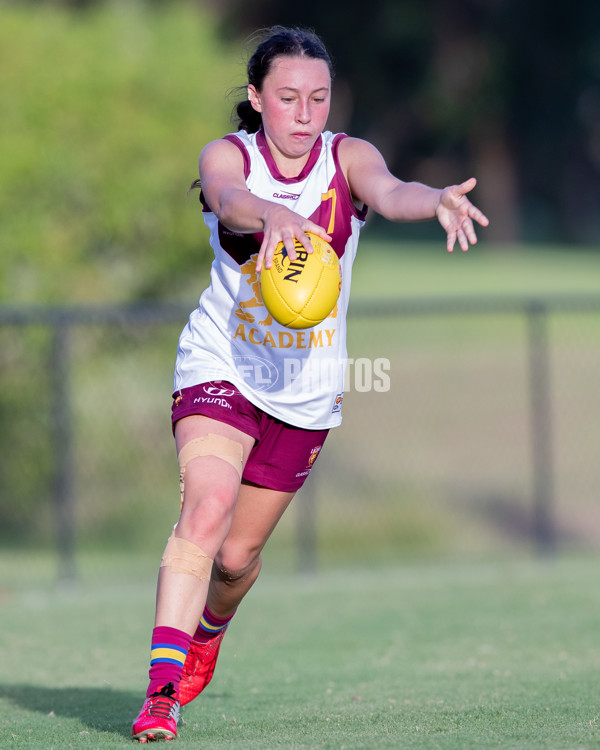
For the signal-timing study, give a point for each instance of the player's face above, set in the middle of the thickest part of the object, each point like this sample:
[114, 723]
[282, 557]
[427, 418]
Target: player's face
[294, 104]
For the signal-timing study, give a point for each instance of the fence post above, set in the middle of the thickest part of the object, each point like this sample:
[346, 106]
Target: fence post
[62, 444]
[544, 530]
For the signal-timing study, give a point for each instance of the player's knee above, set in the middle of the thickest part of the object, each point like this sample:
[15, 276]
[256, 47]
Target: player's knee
[233, 566]
[198, 492]
[207, 515]
[211, 499]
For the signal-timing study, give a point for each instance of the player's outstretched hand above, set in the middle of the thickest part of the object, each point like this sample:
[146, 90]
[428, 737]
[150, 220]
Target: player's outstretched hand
[456, 214]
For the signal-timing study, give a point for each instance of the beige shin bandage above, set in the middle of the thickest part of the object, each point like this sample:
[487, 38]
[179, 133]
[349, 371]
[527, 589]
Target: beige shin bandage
[210, 445]
[182, 556]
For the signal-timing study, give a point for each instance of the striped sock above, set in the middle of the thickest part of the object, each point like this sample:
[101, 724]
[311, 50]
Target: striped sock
[210, 625]
[168, 651]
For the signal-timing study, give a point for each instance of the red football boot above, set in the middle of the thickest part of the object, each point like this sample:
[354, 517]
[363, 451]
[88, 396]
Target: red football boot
[199, 667]
[159, 715]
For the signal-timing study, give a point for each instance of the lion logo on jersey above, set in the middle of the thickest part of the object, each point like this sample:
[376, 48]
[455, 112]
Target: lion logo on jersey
[248, 270]
[247, 308]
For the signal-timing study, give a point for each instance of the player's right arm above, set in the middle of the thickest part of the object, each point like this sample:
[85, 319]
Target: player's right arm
[221, 168]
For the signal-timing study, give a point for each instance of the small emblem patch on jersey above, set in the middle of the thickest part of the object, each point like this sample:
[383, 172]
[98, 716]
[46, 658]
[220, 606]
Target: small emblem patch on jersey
[337, 404]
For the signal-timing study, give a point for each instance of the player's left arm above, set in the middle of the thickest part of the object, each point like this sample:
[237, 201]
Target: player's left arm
[372, 183]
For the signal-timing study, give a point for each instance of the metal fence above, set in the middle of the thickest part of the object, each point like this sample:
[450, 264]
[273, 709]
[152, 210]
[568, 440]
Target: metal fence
[470, 427]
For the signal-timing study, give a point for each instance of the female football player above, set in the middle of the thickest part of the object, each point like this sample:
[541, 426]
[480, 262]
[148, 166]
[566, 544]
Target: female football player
[248, 425]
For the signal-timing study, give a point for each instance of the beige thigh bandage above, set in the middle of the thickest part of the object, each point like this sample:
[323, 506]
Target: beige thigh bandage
[210, 445]
[186, 557]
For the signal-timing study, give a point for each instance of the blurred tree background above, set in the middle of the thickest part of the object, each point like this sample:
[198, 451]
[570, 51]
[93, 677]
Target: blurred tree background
[504, 89]
[106, 104]
[104, 111]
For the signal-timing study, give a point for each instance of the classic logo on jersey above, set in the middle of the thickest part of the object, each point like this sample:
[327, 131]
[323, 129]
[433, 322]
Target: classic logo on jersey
[257, 320]
[286, 196]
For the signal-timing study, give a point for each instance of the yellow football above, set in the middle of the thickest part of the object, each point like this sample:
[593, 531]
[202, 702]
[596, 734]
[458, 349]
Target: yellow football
[303, 292]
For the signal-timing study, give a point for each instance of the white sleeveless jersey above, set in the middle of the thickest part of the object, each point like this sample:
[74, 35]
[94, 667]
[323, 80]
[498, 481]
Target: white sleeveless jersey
[296, 376]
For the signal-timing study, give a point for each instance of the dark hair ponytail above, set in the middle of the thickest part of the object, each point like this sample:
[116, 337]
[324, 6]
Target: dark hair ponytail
[274, 42]
[247, 117]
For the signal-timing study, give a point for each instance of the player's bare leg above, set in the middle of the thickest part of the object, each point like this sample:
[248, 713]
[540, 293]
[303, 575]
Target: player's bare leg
[238, 562]
[236, 568]
[210, 493]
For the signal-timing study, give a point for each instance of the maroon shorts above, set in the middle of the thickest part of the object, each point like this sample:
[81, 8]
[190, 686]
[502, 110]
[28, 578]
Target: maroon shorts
[282, 456]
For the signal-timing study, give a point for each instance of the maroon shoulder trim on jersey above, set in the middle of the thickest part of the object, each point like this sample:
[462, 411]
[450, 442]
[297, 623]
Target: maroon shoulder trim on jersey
[263, 147]
[238, 142]
[360, 213]
[337, 207]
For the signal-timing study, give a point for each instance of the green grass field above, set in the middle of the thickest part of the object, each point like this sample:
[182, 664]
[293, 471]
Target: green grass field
[392, 269]
[496, 655]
